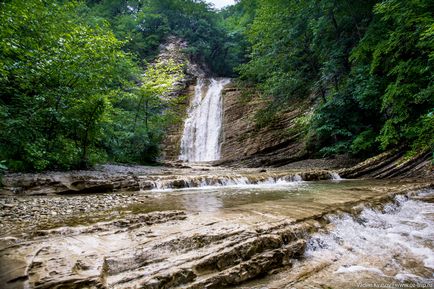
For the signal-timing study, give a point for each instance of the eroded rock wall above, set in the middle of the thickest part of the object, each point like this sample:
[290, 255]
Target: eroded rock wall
[243, 143]
[393, 164]
[172, 142]
[246, 144]
[182, 92]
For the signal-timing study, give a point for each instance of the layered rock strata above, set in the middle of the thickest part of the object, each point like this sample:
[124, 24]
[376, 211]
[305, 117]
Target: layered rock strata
[106, 181]
[245, 144]
[170, 249]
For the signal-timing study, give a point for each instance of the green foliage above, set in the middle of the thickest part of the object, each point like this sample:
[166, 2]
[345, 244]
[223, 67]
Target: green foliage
[3, 169]
[236, 20]
[422, 133]
[3, 166]
[146, 24]
[55, 72]
[63, 84]
[72, 92]
[369, 65]
[364, 143]
[402, 59]
[265, 117]
[141, 117]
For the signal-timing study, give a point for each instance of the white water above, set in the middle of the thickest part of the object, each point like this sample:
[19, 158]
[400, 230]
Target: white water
[335, 176]
[242, 182]
[202, 129]
[229, 181]
[394, 244]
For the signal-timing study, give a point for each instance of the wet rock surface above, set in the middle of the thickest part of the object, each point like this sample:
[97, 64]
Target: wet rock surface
[113, 178]
[119, 178]
[172, 239]
[28, 213]
[245, 144]
[389, 246]
[393, 164]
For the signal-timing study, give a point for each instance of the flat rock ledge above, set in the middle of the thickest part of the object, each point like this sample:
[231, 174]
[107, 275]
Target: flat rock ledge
[170, 249]
[89, 182]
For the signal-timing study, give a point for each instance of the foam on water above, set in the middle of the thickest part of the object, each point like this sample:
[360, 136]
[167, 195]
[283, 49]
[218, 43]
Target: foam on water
[335, 176]
[202, 129]
[352, 269]
[241, 182]
[396, 242]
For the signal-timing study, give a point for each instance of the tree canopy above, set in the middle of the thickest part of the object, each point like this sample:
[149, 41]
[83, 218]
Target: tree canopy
[79, 83]
[368, 64]
[68, 90]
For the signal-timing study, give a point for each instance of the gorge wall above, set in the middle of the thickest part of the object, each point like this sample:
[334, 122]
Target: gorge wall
[171, 146]
[244, 143]
[279, 141]
[182, 92]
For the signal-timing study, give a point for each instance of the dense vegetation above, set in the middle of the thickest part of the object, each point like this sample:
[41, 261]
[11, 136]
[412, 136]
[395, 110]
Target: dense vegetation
[369, 65]
[70, 95]
[76, 86]
[146, 24]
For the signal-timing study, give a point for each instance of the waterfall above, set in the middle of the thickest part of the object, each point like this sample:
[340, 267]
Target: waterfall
[202, 129]
[225, 181]
[335, 176]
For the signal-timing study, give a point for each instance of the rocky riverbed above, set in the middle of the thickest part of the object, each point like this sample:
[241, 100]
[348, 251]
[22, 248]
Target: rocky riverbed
[29, 213]
[112, 178]
[209, 237]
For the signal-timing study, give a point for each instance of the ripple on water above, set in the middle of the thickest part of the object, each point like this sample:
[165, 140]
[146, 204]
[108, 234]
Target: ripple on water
[394, 244]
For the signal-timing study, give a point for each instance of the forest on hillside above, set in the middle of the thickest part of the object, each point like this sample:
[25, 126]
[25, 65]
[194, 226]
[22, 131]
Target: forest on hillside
[78, 85]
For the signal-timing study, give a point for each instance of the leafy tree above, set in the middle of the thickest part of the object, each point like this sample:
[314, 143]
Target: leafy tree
[146, 24]
[398, 48]
[140, 117]
[72, 91]
[56, 78]
[366, 64]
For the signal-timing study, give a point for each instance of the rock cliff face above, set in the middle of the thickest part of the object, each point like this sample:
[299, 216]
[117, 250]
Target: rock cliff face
[183, 91]
[245, 144]
[393, 164]
[278, 143]
[172, 142]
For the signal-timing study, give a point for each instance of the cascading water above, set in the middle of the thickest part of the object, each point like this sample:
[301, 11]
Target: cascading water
[393, 245]
[234, 181]
[202, 129]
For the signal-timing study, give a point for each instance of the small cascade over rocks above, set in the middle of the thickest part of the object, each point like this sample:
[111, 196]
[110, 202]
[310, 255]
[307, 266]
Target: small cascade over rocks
[335, 176]
[240, 181]
[260, 181]
[201, 138]
[157, 179]
[341, 242]
[393, 244]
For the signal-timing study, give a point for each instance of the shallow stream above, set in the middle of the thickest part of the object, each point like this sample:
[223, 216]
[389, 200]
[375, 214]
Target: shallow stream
[277, 234]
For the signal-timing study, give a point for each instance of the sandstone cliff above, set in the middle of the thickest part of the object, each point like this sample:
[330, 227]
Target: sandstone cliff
[393, 164]
[246, 144]
[182, 92]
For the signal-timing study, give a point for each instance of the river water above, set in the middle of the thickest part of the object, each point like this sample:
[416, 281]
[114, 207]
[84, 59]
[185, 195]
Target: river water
[387, 247]
[324, 234]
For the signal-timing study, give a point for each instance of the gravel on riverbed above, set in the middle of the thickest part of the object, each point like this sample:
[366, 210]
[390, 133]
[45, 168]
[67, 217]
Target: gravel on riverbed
[21, 213]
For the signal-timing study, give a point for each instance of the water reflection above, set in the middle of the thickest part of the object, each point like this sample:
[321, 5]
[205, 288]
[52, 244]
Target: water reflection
[299, 200]
[202, 202]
